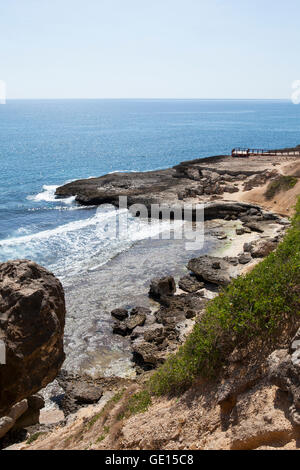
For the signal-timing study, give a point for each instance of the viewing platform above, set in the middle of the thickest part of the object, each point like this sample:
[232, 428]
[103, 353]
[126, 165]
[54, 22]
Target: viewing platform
[244, 153]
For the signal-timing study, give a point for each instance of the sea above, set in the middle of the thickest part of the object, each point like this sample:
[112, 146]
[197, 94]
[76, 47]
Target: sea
[46, 143]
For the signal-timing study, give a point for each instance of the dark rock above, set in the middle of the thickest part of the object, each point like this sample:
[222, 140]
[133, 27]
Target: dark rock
[156, 335]
[36, 402]
[32, 416]
[163, 287]
[119, 313]
[255, 227]
[120, 328]
[147, 355]
[244, 258]
[190, 314]
[79, 391]
[240, 231]
[190, 284]
[232, 260]
[262, 248]
[204, 268]
[140, 311]
[135, 320]
[32, 318]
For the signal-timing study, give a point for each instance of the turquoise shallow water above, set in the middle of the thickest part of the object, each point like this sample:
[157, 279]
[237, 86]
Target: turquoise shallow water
[46, 143]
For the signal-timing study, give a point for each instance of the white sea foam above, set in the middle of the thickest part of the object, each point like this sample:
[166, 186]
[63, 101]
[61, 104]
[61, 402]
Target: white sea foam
[48, 195]
[81, 245]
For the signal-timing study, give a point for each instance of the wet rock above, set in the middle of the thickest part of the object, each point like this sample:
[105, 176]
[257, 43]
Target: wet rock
[211, 269]
[240, 231]
[162, 287]
[135, 320]
[140, 311]
[32, 318]
[190, 284]
[120, 314]
[120, 328]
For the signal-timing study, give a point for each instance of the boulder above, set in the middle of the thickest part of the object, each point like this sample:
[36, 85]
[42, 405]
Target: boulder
[245, 258]
[211, 269]
[31, 417]
[254, 227]
[262, 248]
[190, 284]
[8, 422]
[120, 328]
[119, 313]
[32, 318]
[163, 287]
[135, 320]
[79, 390]
[284, 372]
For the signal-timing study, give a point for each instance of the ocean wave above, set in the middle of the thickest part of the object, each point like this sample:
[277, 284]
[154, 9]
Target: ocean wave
[48, 195]
[82, 245]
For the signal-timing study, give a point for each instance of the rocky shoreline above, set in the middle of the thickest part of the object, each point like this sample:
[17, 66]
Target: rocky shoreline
[155, 333]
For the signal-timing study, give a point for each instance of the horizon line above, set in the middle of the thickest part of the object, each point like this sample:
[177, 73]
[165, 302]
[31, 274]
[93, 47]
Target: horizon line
[150, 99]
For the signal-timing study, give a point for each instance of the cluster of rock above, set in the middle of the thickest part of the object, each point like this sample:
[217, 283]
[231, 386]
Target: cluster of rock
[154, 335]
[210, 183]
[259, 179]
[284, 372]
[32, 318]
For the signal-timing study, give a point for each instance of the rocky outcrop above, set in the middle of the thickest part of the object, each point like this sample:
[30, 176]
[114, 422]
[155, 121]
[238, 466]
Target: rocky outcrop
[212, 269]
[260, 248]
[79, 391]
[190, 284]
[160, 288]
[284, 372]
[32, 318]
[138, 316]
[259, 179]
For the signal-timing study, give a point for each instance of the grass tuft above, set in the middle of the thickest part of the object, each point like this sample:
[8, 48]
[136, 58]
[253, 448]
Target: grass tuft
[137, 403]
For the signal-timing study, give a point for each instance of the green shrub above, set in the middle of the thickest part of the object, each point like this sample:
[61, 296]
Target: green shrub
[255, 305]
[137, 403]
[282, 183]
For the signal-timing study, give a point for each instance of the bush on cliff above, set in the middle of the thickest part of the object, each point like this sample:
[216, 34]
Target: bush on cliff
[259, 304]
[282, 183]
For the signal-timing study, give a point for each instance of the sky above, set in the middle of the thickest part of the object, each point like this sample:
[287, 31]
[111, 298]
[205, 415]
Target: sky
[210, 49]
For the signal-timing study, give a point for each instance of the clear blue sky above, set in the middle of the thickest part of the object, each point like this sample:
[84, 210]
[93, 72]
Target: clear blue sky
[149, 48]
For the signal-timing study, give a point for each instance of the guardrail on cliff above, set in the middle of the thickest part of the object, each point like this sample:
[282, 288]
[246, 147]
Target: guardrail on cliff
[243, 152]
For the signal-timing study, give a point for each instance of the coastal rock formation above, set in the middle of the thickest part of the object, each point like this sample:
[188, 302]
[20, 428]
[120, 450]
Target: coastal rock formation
[138, 316]
[163, 287]
[79, 391]
[284, 372]
[32, 318]
[212, 269]
[190, 284]
[260, 248]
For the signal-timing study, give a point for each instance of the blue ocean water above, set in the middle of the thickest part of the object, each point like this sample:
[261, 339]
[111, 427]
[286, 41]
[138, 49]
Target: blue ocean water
[44, 144]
